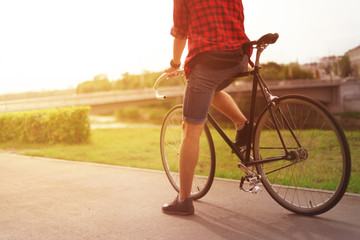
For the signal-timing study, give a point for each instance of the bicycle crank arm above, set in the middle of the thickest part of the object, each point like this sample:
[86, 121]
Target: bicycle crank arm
[246, 169]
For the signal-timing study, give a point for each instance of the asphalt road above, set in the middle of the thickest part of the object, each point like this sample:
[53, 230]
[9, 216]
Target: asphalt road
[53, 199]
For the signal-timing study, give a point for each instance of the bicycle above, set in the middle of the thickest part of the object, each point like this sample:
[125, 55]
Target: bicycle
[286, 147]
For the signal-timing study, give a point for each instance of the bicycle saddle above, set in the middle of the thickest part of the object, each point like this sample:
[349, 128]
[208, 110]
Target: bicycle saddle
[269, 38]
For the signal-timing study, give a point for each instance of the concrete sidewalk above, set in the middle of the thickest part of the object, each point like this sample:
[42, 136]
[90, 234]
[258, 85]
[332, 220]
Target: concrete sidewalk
[53, 199]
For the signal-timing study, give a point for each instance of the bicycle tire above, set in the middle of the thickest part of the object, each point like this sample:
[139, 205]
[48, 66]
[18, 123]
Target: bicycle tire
[317, 180]
[170, 141]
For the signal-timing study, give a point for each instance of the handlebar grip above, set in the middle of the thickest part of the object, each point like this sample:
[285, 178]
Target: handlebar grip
[156, 85]
[161, 78]
[158, 96]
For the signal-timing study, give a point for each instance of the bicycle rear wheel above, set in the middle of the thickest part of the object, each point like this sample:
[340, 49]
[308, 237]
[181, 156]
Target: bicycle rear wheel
[315, 176]
[170, 140]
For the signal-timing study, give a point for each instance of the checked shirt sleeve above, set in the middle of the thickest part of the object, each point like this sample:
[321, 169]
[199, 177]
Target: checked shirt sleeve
[180, 29]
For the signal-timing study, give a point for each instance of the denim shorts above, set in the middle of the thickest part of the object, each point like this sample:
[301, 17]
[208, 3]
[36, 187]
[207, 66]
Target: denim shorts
[202, 83]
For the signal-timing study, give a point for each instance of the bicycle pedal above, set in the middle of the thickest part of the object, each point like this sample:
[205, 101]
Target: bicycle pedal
[253, 180]
[255, 189]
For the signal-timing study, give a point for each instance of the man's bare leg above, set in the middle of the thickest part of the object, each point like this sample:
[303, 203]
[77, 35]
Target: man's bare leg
[225, 104]
[189, 154]
[189, 150]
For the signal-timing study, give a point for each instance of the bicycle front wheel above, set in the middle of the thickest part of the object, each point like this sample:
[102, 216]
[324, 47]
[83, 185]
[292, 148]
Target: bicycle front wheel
[314, 176]
[170, 141]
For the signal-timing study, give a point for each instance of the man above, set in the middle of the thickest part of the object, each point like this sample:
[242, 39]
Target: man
[215, 33]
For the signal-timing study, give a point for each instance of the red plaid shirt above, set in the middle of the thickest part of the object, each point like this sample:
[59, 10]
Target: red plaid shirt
[209, 25]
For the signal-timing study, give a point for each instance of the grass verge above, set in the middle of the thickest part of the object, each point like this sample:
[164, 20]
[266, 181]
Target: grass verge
[139, 147]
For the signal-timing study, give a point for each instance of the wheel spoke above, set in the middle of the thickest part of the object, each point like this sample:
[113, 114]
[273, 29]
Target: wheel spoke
[316, 176]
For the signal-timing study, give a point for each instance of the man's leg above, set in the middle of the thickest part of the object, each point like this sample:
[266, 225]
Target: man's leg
[189, 154]
[225, 104]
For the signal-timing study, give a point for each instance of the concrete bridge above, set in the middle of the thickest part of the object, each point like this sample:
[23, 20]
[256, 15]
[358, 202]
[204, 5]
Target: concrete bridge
[337, 95]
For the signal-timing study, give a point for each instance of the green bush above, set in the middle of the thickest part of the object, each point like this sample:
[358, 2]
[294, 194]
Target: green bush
[62, 125]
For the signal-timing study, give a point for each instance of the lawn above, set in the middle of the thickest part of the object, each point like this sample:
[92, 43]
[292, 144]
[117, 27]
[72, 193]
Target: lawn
[132, 147]
[139, 147]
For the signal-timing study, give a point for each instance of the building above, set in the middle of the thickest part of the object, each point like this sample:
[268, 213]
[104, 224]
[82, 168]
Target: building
[354, 57]
[326, 69]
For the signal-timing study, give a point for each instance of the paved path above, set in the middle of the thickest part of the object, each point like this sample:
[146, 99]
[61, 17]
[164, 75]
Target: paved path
[51, 199]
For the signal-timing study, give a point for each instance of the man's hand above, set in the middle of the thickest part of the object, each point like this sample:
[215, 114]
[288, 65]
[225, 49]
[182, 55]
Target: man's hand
[171, 69]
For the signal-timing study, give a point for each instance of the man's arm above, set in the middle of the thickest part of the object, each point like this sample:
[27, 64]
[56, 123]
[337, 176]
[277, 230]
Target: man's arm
[178, 48]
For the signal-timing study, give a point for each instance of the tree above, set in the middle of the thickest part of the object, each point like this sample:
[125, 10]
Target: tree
[345, 66]
[294, 71]
[98, 84]
[272, 71]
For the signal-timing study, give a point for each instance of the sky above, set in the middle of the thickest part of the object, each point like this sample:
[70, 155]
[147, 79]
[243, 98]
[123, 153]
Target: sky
[48, 44]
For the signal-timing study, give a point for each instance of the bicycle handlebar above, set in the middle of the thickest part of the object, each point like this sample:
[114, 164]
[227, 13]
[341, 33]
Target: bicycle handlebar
[165, 76]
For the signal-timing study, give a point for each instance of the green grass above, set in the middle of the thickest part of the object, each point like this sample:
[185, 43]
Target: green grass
[139, 147]
[226, 162]
[353, 138]
[133, 147]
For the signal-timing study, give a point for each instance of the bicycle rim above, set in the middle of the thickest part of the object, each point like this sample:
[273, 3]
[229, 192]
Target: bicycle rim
[170, 141]
[316, 178]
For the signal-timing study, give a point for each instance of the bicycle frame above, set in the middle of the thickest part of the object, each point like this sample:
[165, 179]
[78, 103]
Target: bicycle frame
[246, 159]
[258, 81]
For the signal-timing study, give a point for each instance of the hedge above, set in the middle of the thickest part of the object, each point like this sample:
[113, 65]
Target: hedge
[61, 125]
